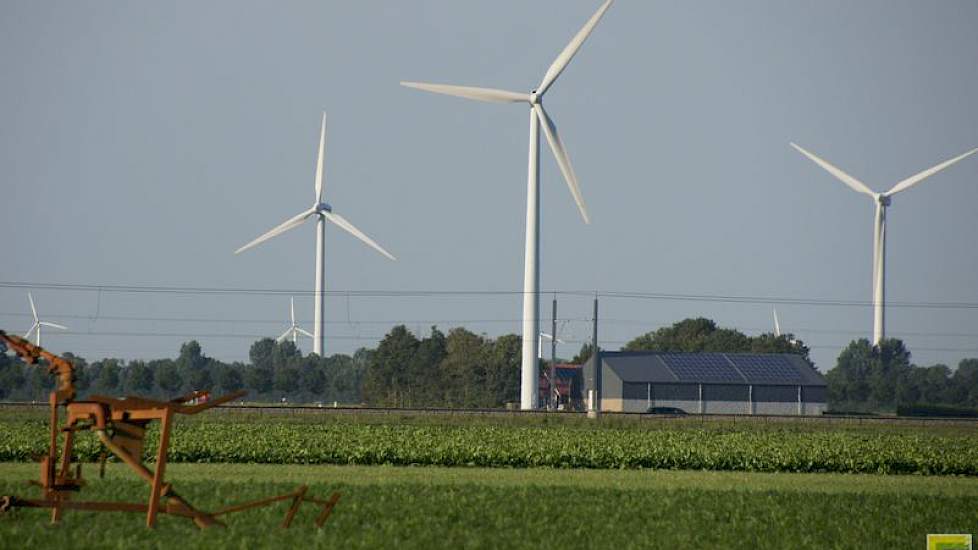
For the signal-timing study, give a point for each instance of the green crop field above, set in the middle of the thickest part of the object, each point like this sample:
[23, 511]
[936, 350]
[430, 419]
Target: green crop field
[425, 507]
[359, 439]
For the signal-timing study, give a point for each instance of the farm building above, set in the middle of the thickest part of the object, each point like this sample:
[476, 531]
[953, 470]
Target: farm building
[711, 383]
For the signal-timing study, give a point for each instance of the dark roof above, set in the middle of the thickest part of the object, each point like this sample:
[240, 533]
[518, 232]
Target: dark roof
[767, 369]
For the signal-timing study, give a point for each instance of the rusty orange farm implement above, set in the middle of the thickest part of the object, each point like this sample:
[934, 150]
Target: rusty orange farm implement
[120, 425]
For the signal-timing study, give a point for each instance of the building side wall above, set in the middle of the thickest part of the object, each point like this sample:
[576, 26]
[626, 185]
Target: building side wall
[617, 404]
[726, 407]
[774, 407]
[611, 386]
[814, 409]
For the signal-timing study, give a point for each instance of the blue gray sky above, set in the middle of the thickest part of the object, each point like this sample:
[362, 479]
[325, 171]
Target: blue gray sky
[142, 143]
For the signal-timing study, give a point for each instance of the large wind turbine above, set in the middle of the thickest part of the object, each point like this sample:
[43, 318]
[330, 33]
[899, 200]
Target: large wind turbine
[36, 327]
[294, 329]
[323, 212]
[538, 116]
[882, 201]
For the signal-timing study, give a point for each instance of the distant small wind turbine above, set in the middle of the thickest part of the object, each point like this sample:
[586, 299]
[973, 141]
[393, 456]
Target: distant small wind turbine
[529, 386]
[777, 327]
[36, 327]
[545, 336]
[323, 212]
[294, 329]
[882, 201]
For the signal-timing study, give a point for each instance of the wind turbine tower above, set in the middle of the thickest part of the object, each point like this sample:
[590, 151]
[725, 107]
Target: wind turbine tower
[323, 212]
[538, 117]
[882, 202]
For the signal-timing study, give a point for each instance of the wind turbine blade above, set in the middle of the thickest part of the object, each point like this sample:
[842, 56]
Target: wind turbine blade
[319, 161]
[852, 182]
[469, 92]
[304, 332]
[30, 297]
[284, 335]
[777, 323]
[290, 223]
[915, 179]
[563, 161]
[292, 308]
[53, 325]
[565, 56]
[30, 330]
[343, 223]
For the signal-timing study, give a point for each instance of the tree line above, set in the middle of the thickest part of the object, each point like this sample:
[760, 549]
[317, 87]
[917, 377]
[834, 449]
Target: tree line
[465, 369]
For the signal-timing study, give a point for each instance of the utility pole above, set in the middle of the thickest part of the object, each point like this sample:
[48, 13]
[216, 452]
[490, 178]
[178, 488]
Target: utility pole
[553, 358]
[594, 393]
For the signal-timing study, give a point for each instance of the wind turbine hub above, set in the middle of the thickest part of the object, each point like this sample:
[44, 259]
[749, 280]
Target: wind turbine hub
[535, 98]
[883, 199]
[324, 207]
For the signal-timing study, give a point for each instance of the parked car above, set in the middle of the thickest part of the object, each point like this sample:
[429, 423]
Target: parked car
[666, 410]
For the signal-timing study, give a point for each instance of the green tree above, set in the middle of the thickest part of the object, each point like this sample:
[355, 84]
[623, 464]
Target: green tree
[139, 377]
[346, 375]
[285, 354]
[194, 367]
[688, 335]
[12, 376]
[384, 382]
[108, 375]
[261, 353]
[423, 376]
[191, 356]
[584, 355]
[259, 379]
[168, 376]
[286, 380]
[464, 370]
[229, 377]
[505, 356]
[869, 376]
[199, 379]
[312, 378]
[965, 383]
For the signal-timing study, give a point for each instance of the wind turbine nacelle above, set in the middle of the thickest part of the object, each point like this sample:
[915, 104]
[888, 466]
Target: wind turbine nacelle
[884, 199]
[324, 207]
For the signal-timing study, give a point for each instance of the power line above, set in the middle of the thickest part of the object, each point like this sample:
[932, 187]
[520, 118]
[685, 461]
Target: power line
[714, 298]
[800, 330]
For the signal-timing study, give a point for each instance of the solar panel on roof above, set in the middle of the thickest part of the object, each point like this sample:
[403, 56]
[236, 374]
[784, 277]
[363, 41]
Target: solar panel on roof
[772, 369]
[701, 367]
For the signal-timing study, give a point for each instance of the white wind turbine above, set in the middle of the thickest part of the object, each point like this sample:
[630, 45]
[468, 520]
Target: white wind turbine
[294, 329]
[882, 201]
[36, 327]
[777, 327]
[538, 116]
[777, 323]
[323, 212]
[545, 336]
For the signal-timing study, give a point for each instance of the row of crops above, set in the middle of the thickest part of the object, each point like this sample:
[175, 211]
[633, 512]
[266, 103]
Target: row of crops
[556, 447]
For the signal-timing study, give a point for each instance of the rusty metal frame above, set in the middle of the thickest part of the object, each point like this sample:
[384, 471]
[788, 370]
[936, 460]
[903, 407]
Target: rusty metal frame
[120, 425]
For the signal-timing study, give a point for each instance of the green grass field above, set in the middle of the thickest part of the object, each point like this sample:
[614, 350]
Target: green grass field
[425, 507]
[622, 482]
